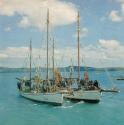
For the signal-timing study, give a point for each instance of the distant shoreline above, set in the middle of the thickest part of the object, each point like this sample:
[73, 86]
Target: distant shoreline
[62, 69]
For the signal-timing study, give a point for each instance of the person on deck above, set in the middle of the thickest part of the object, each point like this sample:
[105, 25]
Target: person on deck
[86, 77]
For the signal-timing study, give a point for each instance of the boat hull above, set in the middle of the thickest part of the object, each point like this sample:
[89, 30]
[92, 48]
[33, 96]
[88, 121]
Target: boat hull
[51, 98]
[91, 96]
[120, 79]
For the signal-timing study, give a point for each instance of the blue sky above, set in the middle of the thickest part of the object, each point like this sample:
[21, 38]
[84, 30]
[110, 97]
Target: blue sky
[102, 26]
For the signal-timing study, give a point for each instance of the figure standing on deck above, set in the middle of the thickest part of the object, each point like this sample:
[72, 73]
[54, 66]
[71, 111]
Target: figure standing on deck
[86, 77]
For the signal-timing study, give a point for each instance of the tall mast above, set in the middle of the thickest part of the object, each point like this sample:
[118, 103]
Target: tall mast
[78, 40]
[47, 77]
[71, 70]
[30, 58]
[53, 60]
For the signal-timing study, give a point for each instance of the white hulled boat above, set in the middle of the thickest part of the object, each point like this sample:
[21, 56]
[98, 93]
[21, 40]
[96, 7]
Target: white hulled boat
[91, 96]
[87, 92]
[43, 90]
[52, 98]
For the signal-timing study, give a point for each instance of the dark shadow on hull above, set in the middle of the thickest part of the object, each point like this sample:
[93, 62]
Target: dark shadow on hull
[85, 100]
[91, 101]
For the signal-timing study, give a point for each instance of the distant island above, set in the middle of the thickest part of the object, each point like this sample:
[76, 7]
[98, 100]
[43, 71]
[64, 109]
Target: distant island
[62, 69]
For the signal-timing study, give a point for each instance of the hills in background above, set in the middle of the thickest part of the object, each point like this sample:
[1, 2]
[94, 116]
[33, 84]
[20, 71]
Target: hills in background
[62, 69]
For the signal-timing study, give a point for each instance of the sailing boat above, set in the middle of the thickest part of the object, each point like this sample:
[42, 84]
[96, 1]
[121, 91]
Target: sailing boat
[120, 78]
[37, 89]
[87, 91]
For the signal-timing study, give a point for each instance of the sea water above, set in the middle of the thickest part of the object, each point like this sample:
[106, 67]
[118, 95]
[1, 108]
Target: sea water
[16, 110]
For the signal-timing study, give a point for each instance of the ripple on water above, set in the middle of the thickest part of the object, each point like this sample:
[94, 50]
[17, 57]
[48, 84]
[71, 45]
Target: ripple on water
[15, 110]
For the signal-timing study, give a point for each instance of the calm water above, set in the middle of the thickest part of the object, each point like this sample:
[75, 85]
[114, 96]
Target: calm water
[15, 110]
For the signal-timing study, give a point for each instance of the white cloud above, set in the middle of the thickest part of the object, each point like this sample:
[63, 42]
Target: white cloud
[110, 52]
[7, 29]
[114, 16]
[19, 52]
[24, 22]
[2, 56]
[33, 12]
[113, 50]
[83, 32]
[111, 44]
[117, 15]
[120, 1]
[122, 9]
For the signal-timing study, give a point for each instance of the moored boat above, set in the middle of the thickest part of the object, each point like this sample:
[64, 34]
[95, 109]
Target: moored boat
[91, 96]
[89, 91]
[37, 89]
[120, 78]
[51, 98]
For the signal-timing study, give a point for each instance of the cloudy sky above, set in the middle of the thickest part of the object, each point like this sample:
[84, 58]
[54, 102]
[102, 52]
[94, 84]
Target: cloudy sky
[102, 31]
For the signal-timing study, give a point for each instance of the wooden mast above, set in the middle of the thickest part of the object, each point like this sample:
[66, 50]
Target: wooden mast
[53, 60]
[71, 71]
[30, 58]
[78, 40]
[47, 76]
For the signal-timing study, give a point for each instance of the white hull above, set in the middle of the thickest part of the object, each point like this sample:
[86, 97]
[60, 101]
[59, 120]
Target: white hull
[88, 96]
[53, 98]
